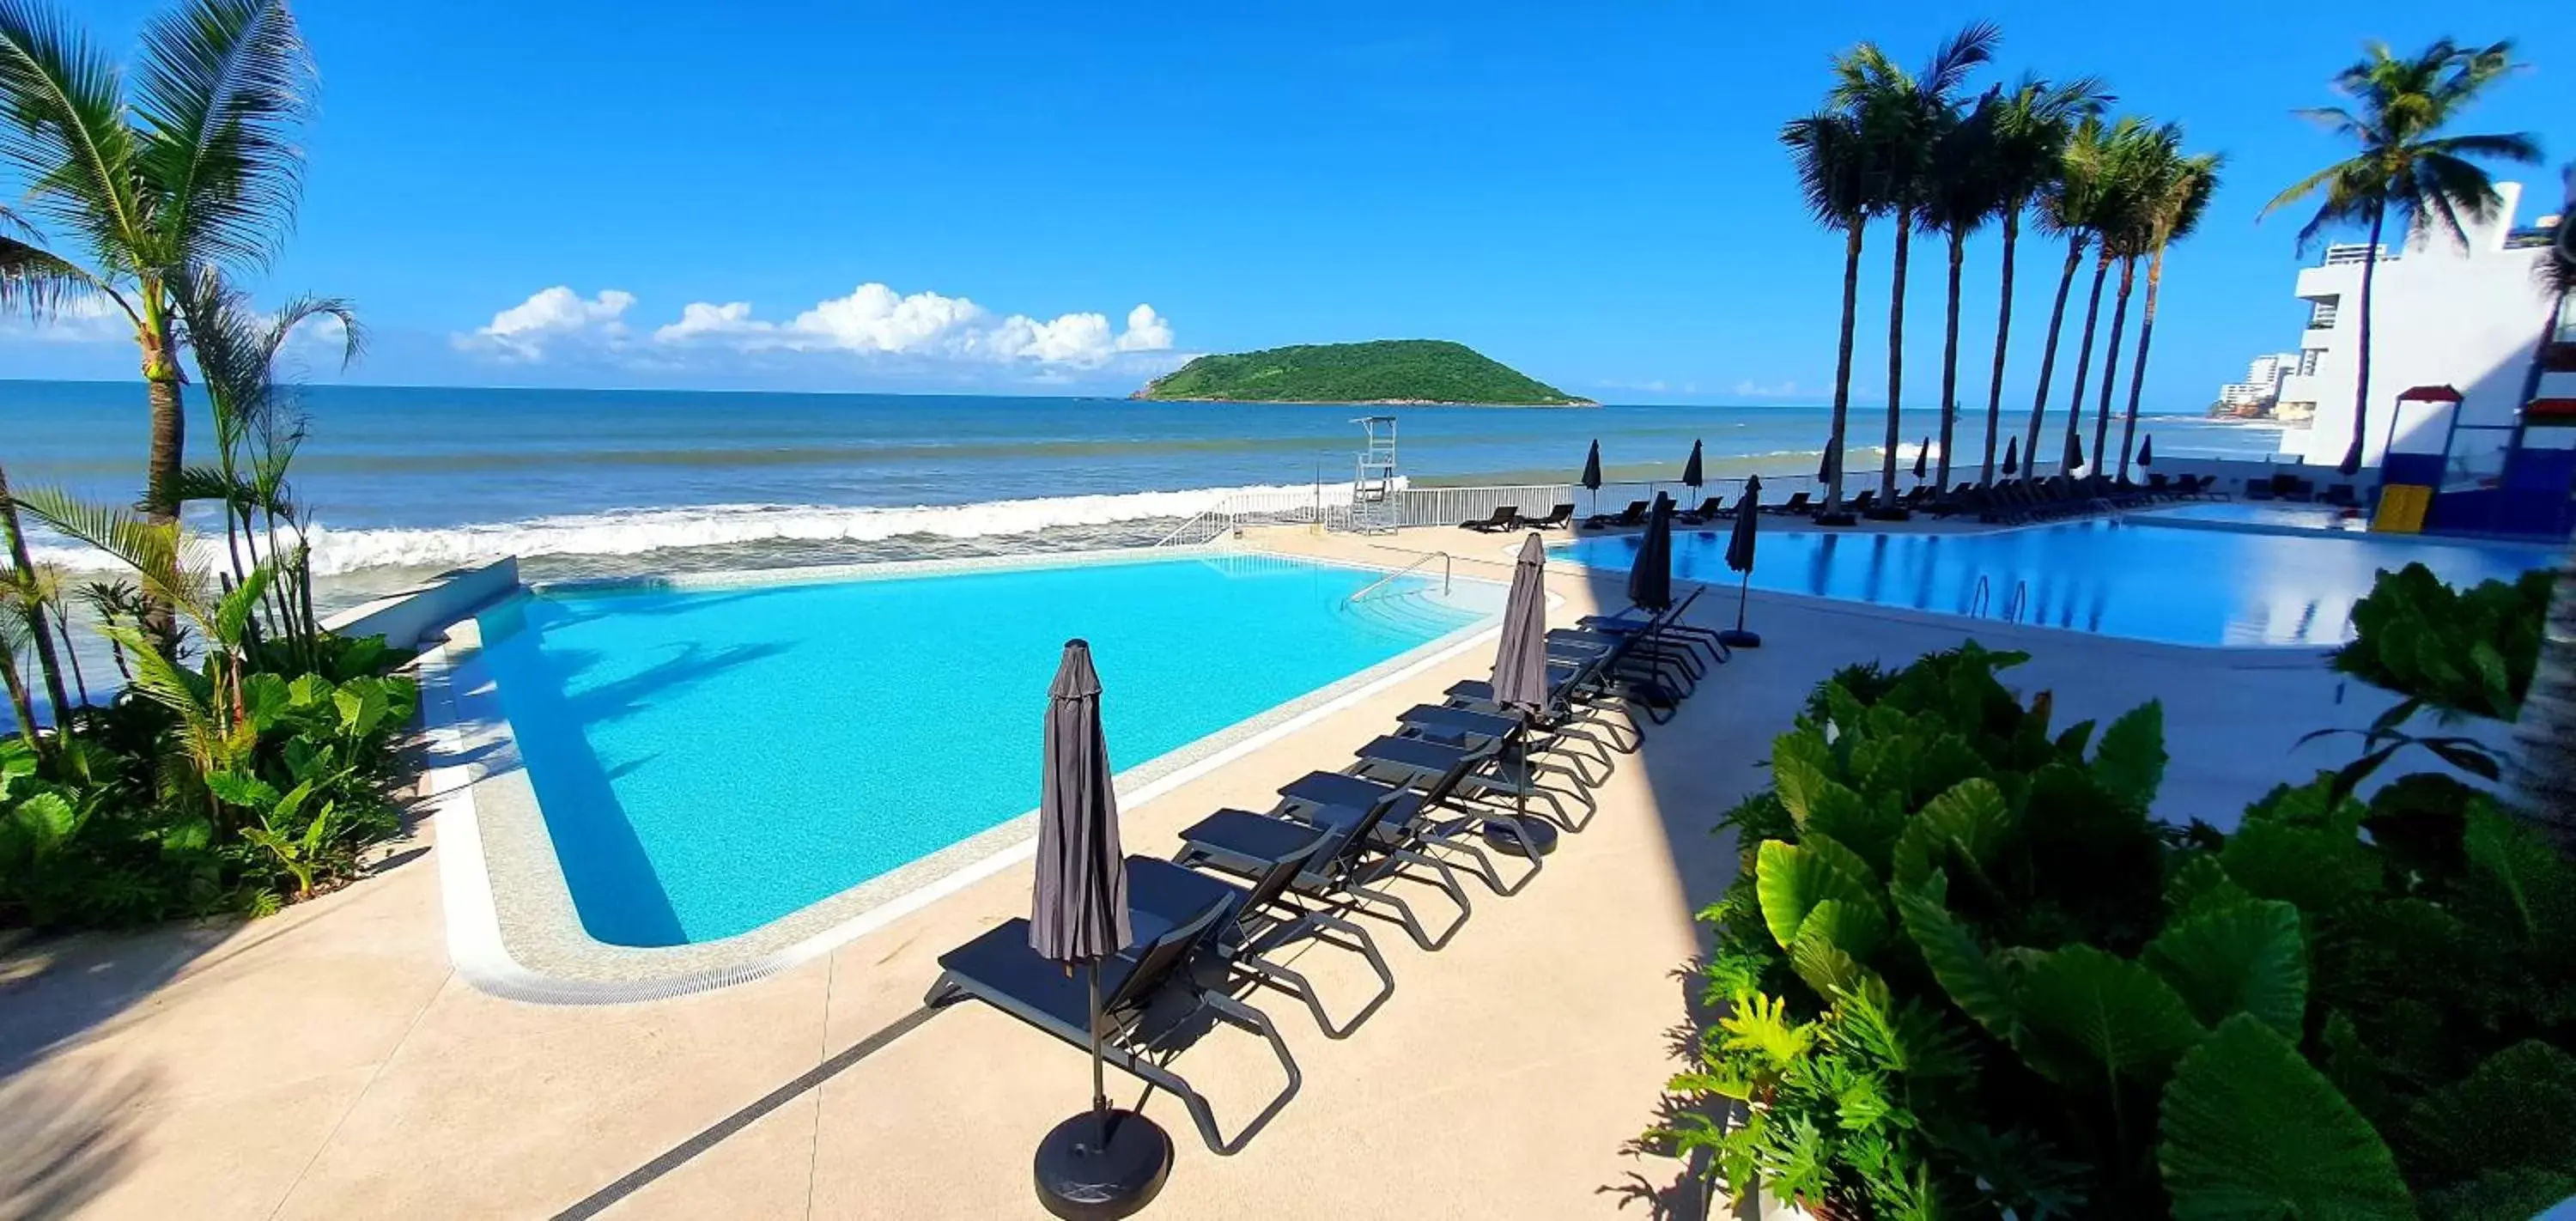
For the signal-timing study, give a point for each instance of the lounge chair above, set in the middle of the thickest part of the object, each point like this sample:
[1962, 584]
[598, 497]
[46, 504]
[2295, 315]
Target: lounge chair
[1150, 1002]
[1505, 517]
[1465, 725]
[1261, 920]
[1372, 837]
[1709, 510]
[1633, 515]
[1863, 503]
[1789, 506]
[1480, 802]
[1560, 516]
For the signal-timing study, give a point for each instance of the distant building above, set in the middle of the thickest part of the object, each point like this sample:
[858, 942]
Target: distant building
[2262, 385]
[2470, 318]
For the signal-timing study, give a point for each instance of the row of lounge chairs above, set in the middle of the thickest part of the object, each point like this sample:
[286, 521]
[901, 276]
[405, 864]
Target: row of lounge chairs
[1422, 803]
[2014, 502]
[1508, 517]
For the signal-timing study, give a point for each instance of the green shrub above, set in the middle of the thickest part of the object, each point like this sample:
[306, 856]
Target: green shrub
[2456, 651]
[1965, 973]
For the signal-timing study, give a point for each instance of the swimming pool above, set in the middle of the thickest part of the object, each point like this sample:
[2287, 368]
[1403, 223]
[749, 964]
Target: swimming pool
[708, 760]
[2117, 578]
[2271, 515]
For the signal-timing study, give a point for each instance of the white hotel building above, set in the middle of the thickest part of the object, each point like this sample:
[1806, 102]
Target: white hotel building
[2470, 318]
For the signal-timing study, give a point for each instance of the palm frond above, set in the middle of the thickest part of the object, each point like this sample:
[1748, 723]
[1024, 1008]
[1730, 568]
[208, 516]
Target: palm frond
[2521, 148]
[34, 281]
[223, 86]
[1971, 47]
[157, 552]
[308, 308]
[65, 128]
[1831, 156]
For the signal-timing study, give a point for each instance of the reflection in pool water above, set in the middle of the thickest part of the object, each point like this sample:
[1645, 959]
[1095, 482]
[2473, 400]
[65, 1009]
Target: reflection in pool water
[2181, 586]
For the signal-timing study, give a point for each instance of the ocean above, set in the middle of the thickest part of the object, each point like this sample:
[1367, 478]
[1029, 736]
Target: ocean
[408, 481]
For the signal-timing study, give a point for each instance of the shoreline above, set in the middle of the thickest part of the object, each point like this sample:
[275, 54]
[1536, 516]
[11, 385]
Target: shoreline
[1142, 397]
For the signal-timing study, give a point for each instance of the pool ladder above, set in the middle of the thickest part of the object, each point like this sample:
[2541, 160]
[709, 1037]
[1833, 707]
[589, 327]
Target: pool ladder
[1446, 560]
[1984, 597]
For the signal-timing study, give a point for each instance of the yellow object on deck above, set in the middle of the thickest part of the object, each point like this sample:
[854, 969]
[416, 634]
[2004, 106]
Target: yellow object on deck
[2401, 509]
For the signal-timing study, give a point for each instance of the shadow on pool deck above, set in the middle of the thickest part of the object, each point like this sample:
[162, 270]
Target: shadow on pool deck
[62, 1146]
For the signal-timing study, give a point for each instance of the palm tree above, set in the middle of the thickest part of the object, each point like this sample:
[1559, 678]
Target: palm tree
[2403, 167]
[2543, 761]
[2138, 167]
[2027, 138]
[1901, 114]
[2066, 207]
[194, 166]
[1832, 157]
[2109, 166]
[2182, 188]
[1962, 193]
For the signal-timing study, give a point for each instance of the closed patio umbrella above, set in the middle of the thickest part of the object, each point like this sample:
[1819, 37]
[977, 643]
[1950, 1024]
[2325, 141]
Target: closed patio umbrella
[1690, 470]
[2012, 456]
[2074, 452]
[1105, 1162]
[1650, 581]
[1739, 556]
[1520, 685]
[2147, 450]
[1922, 457]
[1591, 480]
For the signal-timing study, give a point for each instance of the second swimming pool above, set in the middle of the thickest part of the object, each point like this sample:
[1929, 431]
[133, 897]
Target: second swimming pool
[2119, 578]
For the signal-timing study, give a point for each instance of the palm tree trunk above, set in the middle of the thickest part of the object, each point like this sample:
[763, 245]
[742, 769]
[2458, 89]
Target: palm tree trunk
[80, 681]
[169, 448]
[2111, 363]
[2351, 464]
[1895, 364]
[2543, 763]
[1842, 368]
[2084, 361]
[1950, 364]
[23, 568]
[20, 703]
[2003, 337]
[2048, 352]
[2138, 367]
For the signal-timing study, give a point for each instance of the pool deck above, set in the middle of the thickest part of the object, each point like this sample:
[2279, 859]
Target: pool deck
[329, 1062]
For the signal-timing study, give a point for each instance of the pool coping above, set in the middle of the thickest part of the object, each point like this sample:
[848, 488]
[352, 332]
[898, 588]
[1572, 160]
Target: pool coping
[512, 928]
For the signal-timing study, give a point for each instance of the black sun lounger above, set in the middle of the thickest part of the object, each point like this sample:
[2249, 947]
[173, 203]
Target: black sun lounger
[1505, 517]
[1561, 515]
[1633, 515]
[1260, 921]
[1150, 1002]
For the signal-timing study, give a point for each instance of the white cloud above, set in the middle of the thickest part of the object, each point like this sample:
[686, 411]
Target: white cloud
[1147, 331]
[83, 319]
[553, 315]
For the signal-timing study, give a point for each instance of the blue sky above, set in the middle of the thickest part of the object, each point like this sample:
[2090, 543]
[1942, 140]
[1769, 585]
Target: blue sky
[1592, 193]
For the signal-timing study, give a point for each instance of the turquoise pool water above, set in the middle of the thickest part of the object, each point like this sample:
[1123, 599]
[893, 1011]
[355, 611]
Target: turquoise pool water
[2119, 578]
[709, 760]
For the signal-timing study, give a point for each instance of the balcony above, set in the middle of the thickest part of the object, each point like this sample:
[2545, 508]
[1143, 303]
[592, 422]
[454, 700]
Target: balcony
[2342, 253]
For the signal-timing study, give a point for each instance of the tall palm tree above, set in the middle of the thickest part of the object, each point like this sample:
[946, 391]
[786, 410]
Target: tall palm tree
[2543, 761]
[190, 163]
[1901, 114]
[2402, 167]
[33, 281]
[2028, 131]
[1961, 193]
[2138, 164]
[2180, 195]
[1832, 156]
[2066, 207]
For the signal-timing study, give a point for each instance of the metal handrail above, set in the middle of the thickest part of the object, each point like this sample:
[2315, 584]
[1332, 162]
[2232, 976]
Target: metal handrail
[1977, 601]
[1446, 567]
[2013, 606]
[1184, 527]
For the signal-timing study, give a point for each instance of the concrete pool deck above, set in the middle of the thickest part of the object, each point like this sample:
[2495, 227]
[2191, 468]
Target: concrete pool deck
[329, 1062]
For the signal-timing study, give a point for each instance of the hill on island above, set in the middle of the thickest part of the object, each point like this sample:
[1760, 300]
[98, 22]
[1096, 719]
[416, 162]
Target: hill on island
[1382, 371]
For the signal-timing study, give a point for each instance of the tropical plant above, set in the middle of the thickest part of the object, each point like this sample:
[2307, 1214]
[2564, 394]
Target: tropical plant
[1963, 972]
[1961, 193]
[2140, 166]
[196, 166]
[2179, 193]
[1831, 152]
[2068, 205]
[2109, 158]
[1901, 115]
[2027, 134]
[2403, 167]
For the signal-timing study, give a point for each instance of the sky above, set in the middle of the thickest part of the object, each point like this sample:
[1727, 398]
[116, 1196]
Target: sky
[1030, 199]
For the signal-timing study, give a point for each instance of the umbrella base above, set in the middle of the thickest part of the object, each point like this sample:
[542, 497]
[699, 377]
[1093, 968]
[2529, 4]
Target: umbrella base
[1080, 1177]
[1738, 638]
[1506, 839]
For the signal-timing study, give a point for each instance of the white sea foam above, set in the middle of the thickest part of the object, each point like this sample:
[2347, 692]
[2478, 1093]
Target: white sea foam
[635, 531]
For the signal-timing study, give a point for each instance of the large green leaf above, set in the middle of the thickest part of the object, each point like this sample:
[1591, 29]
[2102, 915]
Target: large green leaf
[361, 704]
[2320, 870]
[1968, 823]
[1825, 966]
[2200, 881]
[2517, 1110]
[1973, 979]
[46, 820]
[1801, 764]
[2537, 882]
[2089, 1017]
[2130, 763]
[2242, 958]
[1793, 878]
[239, 789]
[265, 698]
[2252, 1133]
[1868, 826]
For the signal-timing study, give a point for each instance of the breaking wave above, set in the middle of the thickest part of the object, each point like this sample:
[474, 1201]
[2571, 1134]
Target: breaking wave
[339, 551]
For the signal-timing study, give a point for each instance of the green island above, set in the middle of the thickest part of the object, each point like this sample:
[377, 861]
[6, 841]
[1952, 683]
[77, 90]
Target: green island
[1380, 371]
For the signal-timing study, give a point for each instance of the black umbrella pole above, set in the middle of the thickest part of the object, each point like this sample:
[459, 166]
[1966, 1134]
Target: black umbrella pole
[1740, 638]
[1099, 1082]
